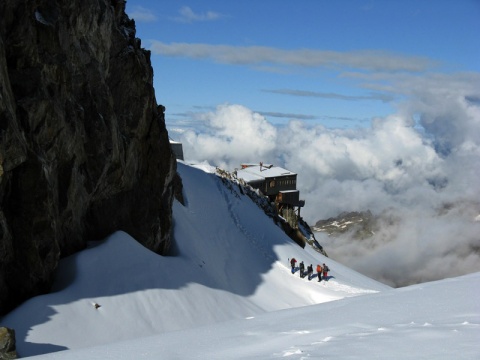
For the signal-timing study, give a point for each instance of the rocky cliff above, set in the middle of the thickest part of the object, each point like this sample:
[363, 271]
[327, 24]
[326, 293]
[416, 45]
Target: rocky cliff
[84, 150]
[361, 224]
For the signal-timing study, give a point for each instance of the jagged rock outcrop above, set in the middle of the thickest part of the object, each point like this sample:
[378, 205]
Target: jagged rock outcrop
[362, 224]
[302, 234]
[7, 344]
[84, 150]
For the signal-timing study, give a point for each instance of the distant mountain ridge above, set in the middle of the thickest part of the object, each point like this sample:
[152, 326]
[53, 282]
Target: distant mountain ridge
[362, 224]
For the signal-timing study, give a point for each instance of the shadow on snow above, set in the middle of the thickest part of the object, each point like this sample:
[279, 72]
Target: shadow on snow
[222, 240]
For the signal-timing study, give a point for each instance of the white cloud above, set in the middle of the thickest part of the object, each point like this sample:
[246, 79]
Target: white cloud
[258, 55]
[330, 95]
[423, 176]
[235, 135]
[188, 15]
[141, 14]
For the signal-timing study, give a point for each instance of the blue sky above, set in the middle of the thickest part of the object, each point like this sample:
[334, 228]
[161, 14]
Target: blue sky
[374, 104]
[332, 63]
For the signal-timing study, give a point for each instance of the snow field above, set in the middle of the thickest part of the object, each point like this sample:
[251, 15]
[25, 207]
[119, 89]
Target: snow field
[227, 292]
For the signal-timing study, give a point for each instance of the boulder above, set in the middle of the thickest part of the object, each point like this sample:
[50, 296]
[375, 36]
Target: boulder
[7, 344]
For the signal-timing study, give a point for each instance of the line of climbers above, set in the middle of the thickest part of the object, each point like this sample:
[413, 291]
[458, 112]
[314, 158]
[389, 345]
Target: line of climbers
[320, 270]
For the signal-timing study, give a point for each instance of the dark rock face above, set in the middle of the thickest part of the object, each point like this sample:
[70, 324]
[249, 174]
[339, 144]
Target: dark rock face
[83, 146]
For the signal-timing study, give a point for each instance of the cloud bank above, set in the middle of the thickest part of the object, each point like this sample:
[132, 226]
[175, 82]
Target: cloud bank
[324, 95]
[418, 168]
[369, 60]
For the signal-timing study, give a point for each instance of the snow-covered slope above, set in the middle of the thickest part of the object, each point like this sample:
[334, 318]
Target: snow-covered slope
[438, 320]
[227, 279]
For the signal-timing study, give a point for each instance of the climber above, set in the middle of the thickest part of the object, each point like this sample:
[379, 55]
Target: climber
[310, 271]
[292, 263]
[325, 271]
[302, 270]
[319, 272]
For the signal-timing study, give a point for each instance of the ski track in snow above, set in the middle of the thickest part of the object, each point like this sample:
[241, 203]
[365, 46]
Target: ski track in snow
[229, 189]
[416, 333]
[385, 334]
[346, 288]
[223, 188]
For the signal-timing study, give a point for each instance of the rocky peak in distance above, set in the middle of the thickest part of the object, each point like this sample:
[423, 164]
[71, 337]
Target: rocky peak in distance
[362, 224]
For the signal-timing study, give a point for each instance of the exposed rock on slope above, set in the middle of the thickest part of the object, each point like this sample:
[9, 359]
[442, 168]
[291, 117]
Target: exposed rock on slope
[302, 235]
[7, 344]
[84, 150]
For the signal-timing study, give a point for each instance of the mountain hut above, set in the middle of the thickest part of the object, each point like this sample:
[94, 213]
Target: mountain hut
[278, 184]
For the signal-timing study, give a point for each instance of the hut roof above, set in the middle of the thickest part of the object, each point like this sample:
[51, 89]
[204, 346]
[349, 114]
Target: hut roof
[250, 172]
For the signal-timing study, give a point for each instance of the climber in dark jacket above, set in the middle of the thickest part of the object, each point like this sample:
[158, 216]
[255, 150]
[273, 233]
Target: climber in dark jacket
[310, 271]
[302, 270]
